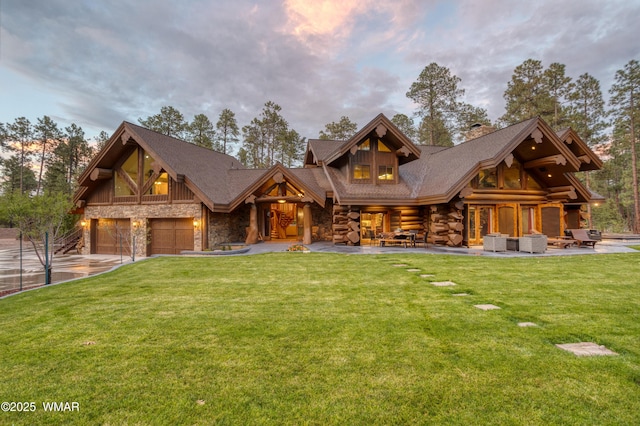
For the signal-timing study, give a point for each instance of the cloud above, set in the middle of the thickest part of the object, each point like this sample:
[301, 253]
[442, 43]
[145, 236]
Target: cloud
[104, 62]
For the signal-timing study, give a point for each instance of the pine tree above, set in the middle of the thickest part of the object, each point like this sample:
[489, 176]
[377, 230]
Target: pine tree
[527, 96]
[341, 130]
[201, 132]
[169, 122]
[625, 103]
[19, 138]
[405, 124]
[559, 87]
[227, 130]
[436, 92]
[48, 136]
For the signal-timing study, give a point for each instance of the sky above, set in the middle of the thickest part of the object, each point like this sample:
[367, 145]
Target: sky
[97, 63]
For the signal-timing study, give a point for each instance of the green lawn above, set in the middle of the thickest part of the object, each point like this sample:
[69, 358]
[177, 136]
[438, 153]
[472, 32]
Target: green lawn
[291, 338]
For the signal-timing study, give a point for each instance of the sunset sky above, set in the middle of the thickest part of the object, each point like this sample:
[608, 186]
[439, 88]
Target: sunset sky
[97, 63]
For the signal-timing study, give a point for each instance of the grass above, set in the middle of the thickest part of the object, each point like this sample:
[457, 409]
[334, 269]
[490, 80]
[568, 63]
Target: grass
[286, 338]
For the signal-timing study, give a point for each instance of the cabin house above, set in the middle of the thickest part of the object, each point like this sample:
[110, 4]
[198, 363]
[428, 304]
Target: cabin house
[155, 194]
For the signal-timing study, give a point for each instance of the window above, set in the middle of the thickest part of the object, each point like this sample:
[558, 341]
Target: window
[160, 186]
[511, 176]
[365, 146]
[488, 178]
[385, 173]
[362, 172]
[382, 147]
[532, 183]
[130, 167]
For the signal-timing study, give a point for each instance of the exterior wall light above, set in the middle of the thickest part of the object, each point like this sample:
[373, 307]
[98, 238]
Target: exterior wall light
[196, 223]
[83, 223]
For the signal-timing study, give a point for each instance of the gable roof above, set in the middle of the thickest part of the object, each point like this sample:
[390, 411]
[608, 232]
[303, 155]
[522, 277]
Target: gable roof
[446, 172]
[180, 159]
[589, 160]
[303, 179]
[383, 128]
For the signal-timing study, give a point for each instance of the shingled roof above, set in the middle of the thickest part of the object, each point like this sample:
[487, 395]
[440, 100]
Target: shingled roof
[427, 174]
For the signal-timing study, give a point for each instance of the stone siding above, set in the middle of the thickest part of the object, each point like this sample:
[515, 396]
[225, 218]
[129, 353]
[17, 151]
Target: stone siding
[228, 227]
[322, 218]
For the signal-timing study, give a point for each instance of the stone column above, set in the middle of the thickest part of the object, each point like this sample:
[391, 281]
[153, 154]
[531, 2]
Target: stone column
[306, 212]
[252, 235]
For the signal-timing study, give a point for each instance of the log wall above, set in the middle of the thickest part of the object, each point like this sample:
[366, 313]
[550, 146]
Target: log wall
[346, 225]
[446, 224]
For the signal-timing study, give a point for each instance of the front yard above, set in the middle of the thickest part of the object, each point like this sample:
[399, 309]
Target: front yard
[290, 338]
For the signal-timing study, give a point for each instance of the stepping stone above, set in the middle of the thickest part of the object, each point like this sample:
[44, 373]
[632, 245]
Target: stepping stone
[460, 294]
[400, 265]
[487, 307]
[527, 324]
[413, 270]
[443, 284]
[586, 349]
[426, 275]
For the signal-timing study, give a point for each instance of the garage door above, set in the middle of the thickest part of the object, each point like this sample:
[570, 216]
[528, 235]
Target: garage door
[170, 236]
[111, 235]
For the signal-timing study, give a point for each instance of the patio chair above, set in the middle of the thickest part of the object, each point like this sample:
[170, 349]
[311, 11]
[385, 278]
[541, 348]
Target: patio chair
[581, 236]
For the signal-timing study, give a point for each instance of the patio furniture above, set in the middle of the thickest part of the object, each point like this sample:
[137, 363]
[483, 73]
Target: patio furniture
[583, 239]
[561, 242]
[513, 244]
[494, 242]
[397, 238]
[534, 243]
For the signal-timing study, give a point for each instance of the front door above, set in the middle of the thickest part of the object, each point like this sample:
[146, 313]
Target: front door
[280, 221]
[507, 219]
[480, 223]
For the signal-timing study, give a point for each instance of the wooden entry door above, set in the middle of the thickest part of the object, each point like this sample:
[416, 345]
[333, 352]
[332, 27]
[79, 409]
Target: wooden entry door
[551, 215]
[480, 223]
[170, 236]
[507, 219]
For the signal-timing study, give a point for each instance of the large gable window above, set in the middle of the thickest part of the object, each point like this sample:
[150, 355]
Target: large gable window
[373, 162]
[488, 178]
[511, 176]
[160, 185]
[123, 186]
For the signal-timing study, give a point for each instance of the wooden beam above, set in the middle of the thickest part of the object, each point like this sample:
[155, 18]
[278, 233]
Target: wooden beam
[561, 188]
[537, 135]
[404, 151]
[98, 174]
[552, 160]
[381, 130]
[125, 137]
[585, 159]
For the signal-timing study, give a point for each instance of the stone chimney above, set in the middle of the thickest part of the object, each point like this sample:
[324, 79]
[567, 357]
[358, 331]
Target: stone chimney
[478, 130]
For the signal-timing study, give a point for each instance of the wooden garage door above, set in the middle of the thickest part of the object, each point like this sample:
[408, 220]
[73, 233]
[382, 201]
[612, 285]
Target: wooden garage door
[110, 235]
[170, 236]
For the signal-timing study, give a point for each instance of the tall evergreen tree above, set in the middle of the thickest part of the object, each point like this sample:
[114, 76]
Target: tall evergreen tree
[69, 159]
[527, 95]
[437, 94]
[586, 110]
[587, 115]
[559, 87]
[200, 132]
[19, 139]
[169, 122]
[101, 140]
[227, 130]
[16, 177]
[47, 136]
[625, 103]
[341, 130]
[405, 124]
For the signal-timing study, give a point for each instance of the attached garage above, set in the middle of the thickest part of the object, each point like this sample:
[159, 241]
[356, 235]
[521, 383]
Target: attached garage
[111, 236]
[170, 236]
